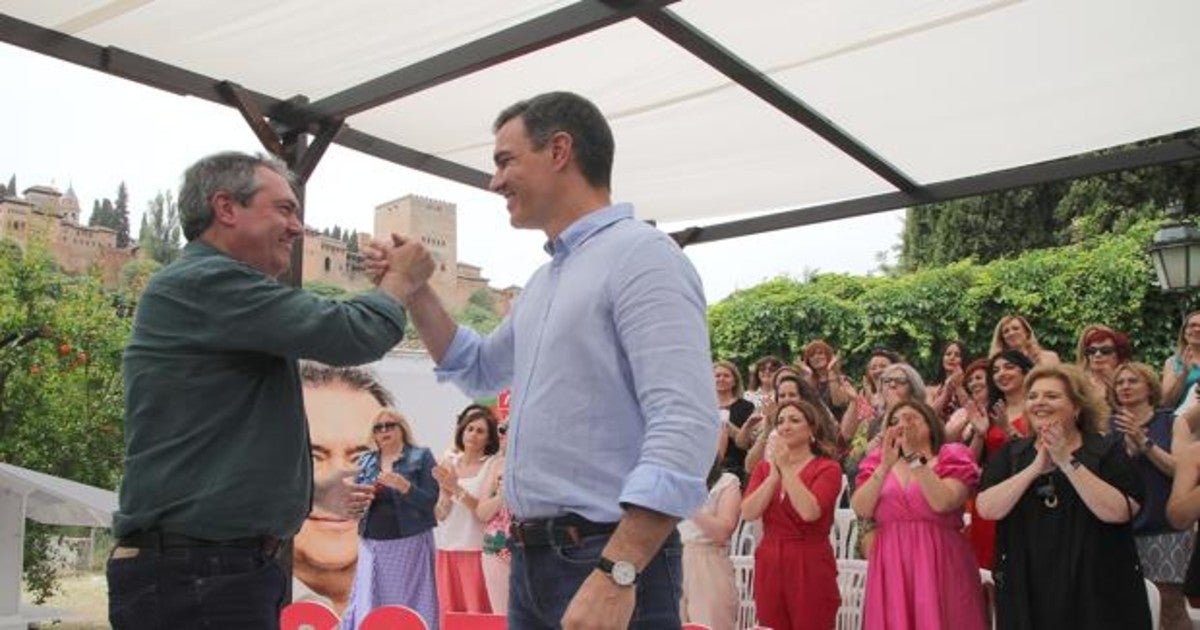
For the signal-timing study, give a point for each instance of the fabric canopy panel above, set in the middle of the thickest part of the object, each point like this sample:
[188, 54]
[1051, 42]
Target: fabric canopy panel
[688, 141]
[57, 501]
[920, 91]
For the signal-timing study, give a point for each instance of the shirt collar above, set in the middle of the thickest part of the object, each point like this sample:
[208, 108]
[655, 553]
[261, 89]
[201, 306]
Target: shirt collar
[585, 227]
[199, 247]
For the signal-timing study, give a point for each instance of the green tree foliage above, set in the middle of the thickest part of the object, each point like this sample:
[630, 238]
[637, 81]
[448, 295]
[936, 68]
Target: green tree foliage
[1106, 280]
[103, 214]
[12, 185]
[121, 216]
[1007, 223]
[159, 236]
[61, 339]
[352, 242]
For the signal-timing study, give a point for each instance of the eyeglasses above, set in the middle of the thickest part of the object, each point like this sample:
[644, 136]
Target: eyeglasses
[894, 380]
[385, 426]
[1099, 350]
[502, 429]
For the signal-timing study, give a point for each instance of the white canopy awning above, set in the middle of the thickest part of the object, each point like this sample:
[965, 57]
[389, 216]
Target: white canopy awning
[828, 108]
[57, 501]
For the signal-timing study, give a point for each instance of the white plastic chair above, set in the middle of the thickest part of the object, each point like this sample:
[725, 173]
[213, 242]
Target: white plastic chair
[743, 578]
[988, 584]
[844, 533]
[1155, 598]
[852, 584]
[746, 538]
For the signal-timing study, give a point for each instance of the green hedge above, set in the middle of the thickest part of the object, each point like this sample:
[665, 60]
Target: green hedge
[1107, 280]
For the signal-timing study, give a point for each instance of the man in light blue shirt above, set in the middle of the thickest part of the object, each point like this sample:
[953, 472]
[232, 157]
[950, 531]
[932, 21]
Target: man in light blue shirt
[614, 422]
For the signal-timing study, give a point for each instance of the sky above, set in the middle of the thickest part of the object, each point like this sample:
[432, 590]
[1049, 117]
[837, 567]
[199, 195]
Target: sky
[65, 125]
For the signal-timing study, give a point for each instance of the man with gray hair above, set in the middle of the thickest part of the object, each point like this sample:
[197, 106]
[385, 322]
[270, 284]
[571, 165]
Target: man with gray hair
[218, 470]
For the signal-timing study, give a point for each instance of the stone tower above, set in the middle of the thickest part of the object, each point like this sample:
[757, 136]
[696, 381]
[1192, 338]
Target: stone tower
[435, 223]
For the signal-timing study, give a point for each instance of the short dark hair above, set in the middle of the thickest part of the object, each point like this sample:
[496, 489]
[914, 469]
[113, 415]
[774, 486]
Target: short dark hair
[547, 114]
[1015, 357]
[470, 414]
[314, 374]
[937, 430]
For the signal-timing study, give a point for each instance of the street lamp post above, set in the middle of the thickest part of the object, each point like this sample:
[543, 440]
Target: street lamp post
[1175, 252]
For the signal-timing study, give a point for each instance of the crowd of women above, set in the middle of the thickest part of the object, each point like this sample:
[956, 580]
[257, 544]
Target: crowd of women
[1071, 483]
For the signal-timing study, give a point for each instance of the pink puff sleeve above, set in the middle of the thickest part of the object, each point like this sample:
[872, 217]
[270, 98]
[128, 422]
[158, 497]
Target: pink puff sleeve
[955, 461]
[868, 466]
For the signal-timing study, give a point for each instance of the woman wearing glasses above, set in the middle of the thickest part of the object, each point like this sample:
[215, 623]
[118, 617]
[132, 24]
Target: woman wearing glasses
[396, 555]
[1099, 351]
[1064, 500]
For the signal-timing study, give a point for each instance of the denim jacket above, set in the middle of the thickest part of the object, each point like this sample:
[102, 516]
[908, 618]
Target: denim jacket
[394, 514]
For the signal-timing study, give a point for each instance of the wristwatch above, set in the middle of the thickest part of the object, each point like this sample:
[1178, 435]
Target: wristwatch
[1147, 445]
[622, 573]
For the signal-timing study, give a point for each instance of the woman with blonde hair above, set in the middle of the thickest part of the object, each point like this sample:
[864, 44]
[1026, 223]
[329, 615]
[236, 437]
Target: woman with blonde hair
[733, 411]
[1181, 370]
[1013, 332]
[396, 556]
[1145, 430]
[1064, 500]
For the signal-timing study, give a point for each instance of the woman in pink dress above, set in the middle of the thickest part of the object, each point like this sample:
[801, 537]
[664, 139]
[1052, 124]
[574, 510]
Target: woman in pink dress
[921, 572]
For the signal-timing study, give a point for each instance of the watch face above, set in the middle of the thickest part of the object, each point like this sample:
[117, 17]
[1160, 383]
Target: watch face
[624, 573]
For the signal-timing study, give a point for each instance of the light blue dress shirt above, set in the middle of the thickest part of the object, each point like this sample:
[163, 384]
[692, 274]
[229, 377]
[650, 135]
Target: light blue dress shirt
[607, 354]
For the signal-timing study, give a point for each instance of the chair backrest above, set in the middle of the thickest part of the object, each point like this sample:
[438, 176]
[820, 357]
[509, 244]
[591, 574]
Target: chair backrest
[308, 615]
[852, 585]
[393, 618]
[842, 493]
[845, 525]
[1155, 598]
[743, 578]
[746, 538]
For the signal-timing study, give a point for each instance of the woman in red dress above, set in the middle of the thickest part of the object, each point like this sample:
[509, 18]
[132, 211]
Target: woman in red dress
[794, 490]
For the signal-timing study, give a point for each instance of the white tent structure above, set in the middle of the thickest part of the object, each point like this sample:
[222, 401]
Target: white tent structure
[47, 499]
[778, 112]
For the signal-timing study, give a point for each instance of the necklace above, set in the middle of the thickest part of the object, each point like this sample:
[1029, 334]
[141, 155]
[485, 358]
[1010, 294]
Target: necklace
[1048, 493]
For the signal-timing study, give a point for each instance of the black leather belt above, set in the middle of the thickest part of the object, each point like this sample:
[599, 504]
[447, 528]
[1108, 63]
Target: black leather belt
[564, 530]
[157, 539]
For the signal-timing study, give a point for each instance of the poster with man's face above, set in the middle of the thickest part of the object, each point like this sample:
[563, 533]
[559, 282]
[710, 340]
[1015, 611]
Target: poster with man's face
[339, 425]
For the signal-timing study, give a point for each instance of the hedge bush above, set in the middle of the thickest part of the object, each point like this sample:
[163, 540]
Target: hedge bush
[1106, 280]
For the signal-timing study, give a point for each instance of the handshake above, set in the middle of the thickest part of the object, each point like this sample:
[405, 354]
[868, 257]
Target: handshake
[398, 267]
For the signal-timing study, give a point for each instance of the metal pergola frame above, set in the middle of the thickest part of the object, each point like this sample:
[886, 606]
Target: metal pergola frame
[282, 125]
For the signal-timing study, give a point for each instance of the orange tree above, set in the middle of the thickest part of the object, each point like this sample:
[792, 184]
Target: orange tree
[61, 338]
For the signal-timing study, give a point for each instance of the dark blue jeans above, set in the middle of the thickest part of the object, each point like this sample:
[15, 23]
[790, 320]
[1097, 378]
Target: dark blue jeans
[195, 587]
[544, 579]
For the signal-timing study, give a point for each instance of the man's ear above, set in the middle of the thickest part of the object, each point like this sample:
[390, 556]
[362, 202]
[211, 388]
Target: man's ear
[562, 150]
[222, 204]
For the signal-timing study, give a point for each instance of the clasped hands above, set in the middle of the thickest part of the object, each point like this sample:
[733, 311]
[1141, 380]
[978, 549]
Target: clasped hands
[399, 266]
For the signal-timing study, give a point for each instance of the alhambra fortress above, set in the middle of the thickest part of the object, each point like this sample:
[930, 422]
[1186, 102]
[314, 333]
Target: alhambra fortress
[46, 212]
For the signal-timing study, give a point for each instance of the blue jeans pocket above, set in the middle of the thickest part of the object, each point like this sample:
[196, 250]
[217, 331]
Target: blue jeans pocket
[586, 553]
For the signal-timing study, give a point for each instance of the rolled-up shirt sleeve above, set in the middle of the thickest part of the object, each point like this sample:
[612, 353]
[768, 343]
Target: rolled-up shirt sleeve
[659, 314]
[480, 366]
